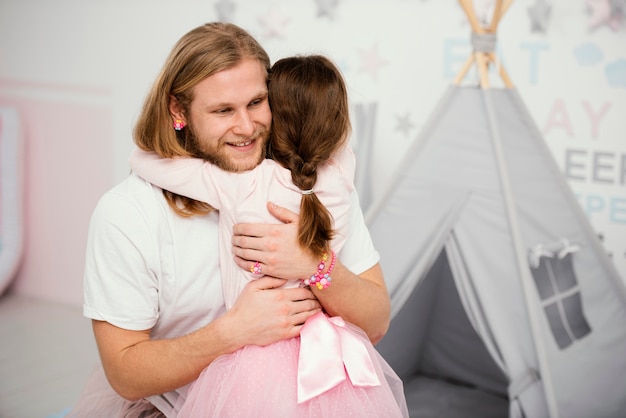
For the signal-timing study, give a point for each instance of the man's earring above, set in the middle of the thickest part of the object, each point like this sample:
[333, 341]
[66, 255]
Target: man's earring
[179, 124]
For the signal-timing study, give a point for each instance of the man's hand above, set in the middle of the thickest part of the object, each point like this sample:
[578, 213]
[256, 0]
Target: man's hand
[274, 246]
[265, 313]
[262, 315]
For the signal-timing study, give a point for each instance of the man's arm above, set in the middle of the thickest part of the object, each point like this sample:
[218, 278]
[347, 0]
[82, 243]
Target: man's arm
[137, 366]
[360, 299]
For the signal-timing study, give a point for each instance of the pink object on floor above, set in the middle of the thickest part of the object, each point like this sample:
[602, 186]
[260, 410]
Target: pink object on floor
[11, 216]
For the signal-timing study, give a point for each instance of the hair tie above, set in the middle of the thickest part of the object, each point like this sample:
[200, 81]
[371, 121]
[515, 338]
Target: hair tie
[310, 191]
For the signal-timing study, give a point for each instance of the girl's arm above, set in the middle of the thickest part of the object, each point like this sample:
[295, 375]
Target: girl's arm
[186, 176]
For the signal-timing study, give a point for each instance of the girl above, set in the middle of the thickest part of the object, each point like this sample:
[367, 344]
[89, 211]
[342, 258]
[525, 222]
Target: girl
[332, 369]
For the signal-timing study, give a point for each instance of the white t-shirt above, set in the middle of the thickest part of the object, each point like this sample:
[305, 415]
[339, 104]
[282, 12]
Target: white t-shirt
[147, 267]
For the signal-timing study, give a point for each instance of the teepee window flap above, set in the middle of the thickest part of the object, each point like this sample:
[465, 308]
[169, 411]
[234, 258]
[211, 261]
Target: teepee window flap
[554, 275]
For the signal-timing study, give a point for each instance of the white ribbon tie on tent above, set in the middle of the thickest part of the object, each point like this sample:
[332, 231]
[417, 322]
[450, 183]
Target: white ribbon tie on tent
[538, 251]
[568, 248]
[541, 250]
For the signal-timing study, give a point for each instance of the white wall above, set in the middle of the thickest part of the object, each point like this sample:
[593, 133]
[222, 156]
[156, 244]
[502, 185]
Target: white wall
[77, 72]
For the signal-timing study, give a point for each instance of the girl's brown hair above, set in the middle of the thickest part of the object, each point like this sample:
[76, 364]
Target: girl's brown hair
[200, 53]
[309, 102]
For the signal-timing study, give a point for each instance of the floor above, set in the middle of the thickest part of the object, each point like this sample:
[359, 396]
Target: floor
[432, 398]
[47, 351]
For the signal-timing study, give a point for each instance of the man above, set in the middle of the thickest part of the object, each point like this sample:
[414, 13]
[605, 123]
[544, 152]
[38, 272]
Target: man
[152, 284]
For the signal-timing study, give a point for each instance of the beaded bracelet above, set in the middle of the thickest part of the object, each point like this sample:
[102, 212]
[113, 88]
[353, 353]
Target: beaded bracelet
[320, 279]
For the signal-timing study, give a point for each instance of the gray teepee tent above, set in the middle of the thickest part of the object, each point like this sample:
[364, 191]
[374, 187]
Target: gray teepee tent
[503, 300]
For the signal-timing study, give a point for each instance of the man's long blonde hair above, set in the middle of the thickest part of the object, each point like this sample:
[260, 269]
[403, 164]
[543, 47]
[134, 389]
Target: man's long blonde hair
[200, 53]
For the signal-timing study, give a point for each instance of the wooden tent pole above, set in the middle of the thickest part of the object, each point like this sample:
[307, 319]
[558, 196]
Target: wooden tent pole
[471, 16]
[503, 74]
[483, 68]
[505, 7]
[461, 75]
[484, 59]
[495, 19]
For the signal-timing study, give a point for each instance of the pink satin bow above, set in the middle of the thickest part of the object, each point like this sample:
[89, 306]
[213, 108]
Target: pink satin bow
[329, 353]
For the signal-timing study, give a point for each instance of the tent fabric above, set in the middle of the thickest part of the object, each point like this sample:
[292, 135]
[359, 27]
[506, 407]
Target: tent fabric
[480, 194]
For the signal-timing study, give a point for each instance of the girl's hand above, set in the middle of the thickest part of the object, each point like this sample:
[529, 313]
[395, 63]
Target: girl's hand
[274, 246]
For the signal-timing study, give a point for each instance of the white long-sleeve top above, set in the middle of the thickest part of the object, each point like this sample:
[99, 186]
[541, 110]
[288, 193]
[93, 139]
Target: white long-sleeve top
[242, 197]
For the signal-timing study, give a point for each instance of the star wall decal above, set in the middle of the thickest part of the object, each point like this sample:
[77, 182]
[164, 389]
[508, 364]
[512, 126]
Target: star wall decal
[225, 10]
[618, 6]
[404, 124]
[618, 10]
[274, 23]
[539, 16]
[371, 62]
[327, 8]
[603, 13]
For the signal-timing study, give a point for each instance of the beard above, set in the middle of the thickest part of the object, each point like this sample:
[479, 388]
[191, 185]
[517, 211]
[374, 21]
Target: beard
[219, 158]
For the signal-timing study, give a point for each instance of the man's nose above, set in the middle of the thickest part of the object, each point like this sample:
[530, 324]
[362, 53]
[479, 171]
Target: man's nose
[243, 123]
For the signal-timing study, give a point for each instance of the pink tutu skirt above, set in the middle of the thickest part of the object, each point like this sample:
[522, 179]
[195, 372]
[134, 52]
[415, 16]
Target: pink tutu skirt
[262, 382]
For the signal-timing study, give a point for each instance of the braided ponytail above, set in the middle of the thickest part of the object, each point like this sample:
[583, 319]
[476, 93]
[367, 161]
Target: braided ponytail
[310, 123]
